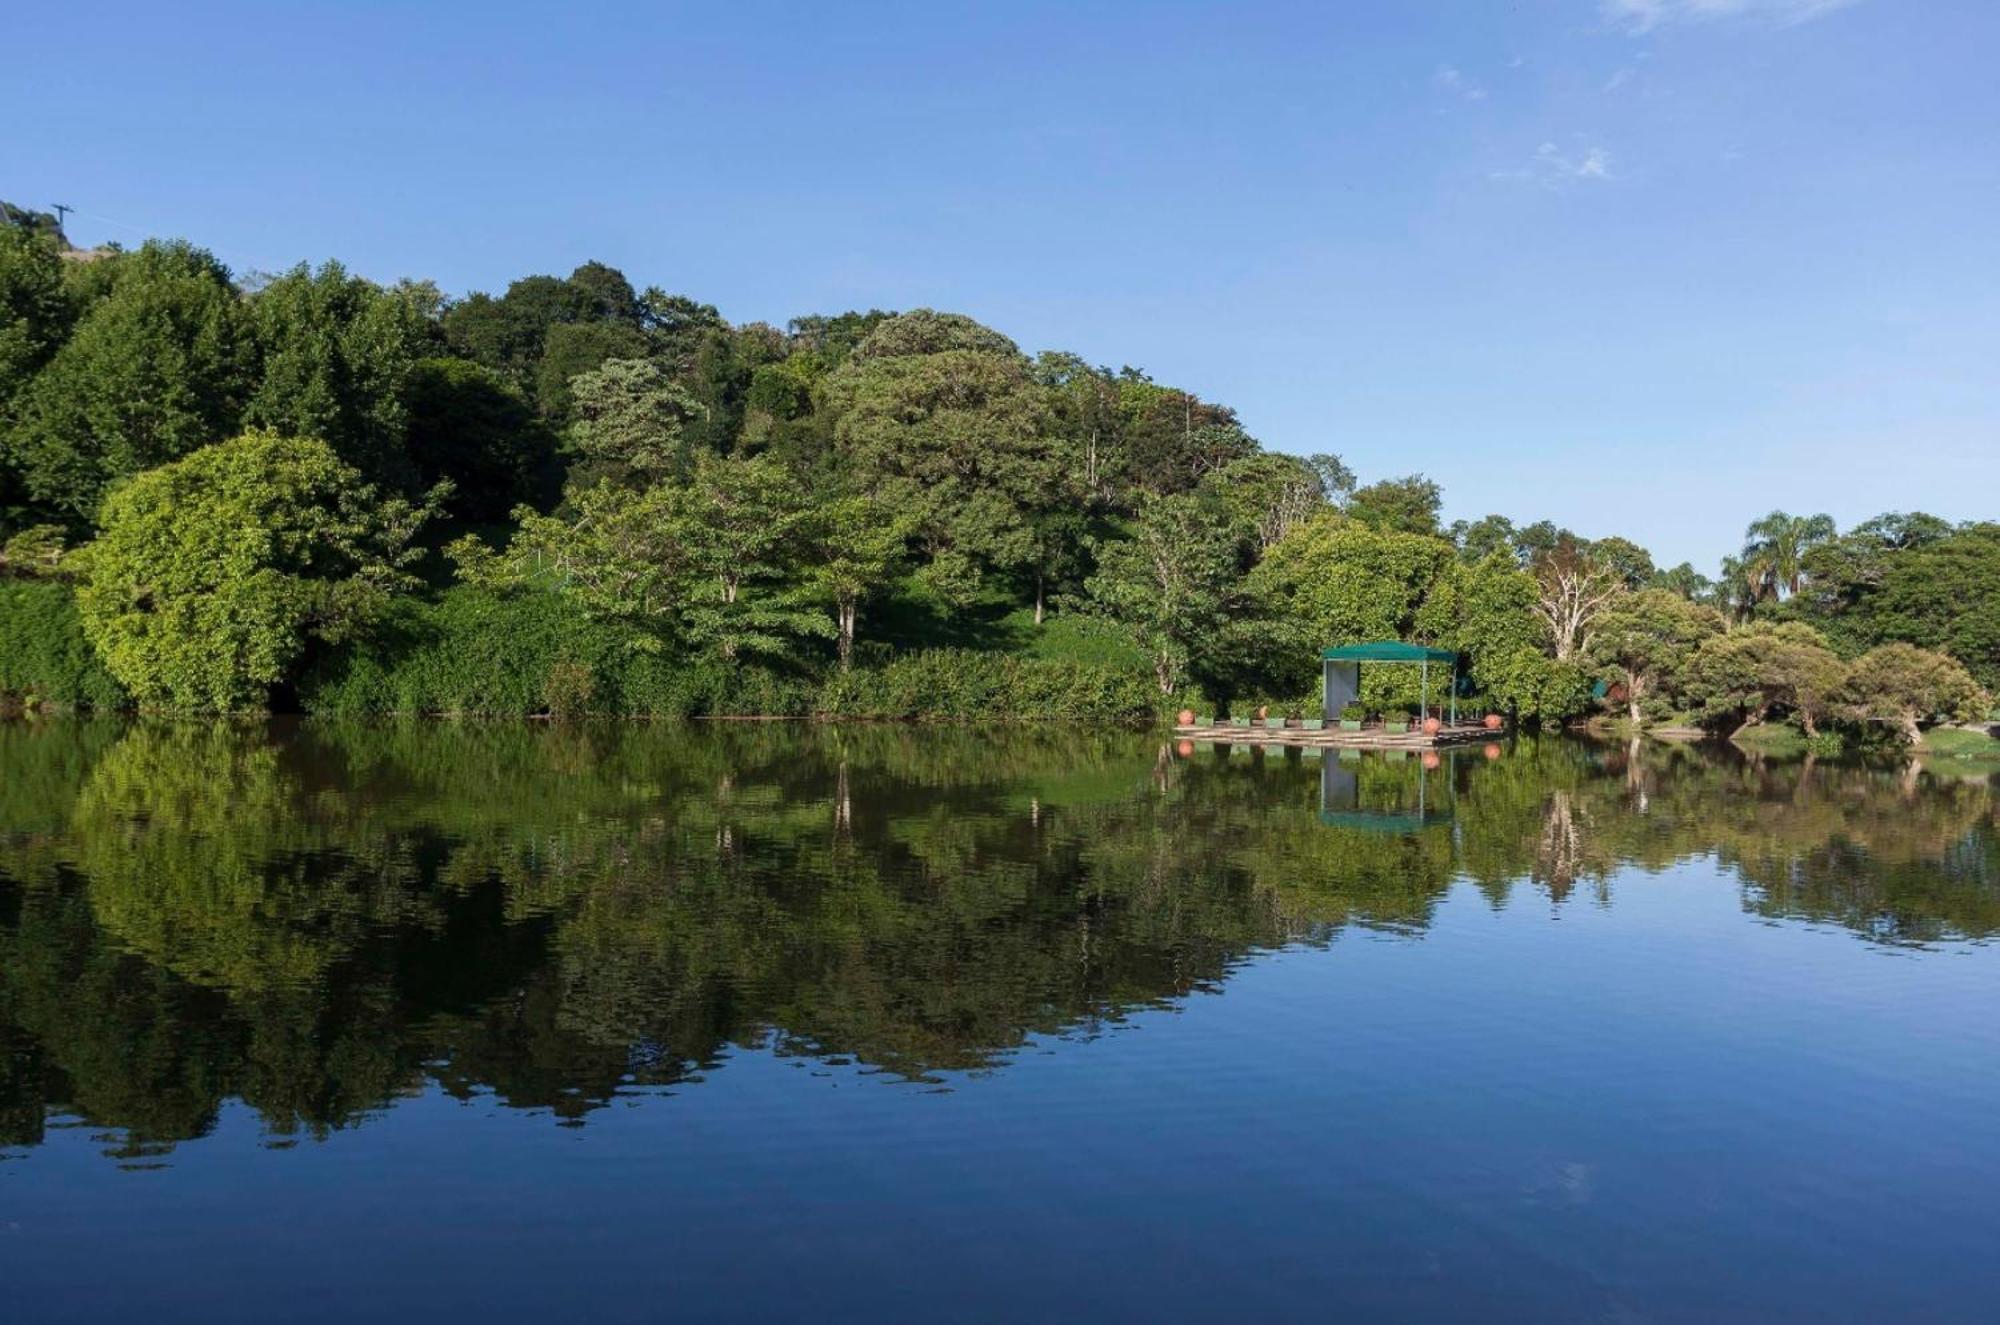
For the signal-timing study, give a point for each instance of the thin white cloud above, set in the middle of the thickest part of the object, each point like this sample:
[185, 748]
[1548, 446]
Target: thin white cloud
[1455, 82]
[1619, 79]
[1553, 167]
[1643, 16]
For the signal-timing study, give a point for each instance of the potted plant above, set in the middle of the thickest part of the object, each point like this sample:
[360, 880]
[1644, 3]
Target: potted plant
[1352, 717]
[1493, 722]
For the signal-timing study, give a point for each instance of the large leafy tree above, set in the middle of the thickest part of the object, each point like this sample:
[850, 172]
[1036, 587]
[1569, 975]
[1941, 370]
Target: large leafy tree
[1486, 611]
[35, 311]
[631, 423]
[1905, 687]
[214, 573]
[958, 435]
[1942, 594]
[851, 547]
[1402, 505]
[337, 353]
[1340, 581]
[159, 366]
[747, 519]
[1647, 639]
[472, 427]
[1176, 584]
[35, 316]
[1741, 678]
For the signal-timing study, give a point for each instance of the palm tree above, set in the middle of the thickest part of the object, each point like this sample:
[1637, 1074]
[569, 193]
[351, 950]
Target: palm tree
[1774, 550]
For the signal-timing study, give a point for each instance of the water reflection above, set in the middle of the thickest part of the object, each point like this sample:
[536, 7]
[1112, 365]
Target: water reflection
[317, 920]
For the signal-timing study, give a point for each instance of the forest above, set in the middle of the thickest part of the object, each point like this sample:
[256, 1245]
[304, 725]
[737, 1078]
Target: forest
[310, 492]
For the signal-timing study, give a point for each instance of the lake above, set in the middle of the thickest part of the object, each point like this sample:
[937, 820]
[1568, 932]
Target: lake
[771, 1022]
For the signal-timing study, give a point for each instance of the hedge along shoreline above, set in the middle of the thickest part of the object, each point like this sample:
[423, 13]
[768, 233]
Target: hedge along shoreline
[476, 654]
[45, 661]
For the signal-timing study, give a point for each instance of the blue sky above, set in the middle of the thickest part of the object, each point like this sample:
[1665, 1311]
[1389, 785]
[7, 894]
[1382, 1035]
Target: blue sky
[1640, 266]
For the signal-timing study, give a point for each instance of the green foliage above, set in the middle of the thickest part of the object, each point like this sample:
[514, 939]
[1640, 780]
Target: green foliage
[159, 366]
[630, 420]
[35, 311]
[957, 438]
[337, 354]
[1334, 580]
[474, 653]
[1398, 505]
[214, 573]
[1646, 640]
[1176, 586]
[1486, 611]
[958, 684]
[1746, 675]
[45, 661]
[1908, 688]
[471, 428]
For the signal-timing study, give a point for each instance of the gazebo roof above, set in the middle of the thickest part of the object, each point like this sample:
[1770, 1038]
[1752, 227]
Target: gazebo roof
[1388, 650]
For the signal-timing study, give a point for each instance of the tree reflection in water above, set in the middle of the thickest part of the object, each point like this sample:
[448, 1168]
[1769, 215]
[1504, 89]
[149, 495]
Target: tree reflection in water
[318, 919]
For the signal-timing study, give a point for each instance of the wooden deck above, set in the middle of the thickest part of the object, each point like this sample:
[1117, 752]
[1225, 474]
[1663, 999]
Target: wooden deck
[1368, 738]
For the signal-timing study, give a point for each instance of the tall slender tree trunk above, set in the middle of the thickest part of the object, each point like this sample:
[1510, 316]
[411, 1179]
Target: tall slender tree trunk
[846, 613]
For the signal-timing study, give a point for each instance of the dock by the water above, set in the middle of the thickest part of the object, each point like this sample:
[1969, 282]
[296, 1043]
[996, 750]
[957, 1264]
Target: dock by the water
[1329, 736]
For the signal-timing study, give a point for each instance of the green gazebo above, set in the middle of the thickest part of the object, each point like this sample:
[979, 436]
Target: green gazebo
[1340, 671]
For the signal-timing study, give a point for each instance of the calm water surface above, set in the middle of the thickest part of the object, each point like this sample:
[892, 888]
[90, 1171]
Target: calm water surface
[648, 1023]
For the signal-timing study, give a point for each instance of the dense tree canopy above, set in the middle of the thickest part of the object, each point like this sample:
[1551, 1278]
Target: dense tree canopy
[851, 488]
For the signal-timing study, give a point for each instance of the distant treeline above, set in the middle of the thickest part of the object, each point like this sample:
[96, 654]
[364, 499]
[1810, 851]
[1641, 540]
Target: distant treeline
[309, 490]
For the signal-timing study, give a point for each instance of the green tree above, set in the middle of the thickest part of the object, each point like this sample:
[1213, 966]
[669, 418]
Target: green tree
[1402, 505]
[1905, 687]
[337, 355]
[469, 426]
[1774, 551]
[35, 311]
[1632, 564]
[571, 349]
[959, 436]
[1338, 581]
[1176, 584]
[1269, 495]
[1479, 539]
[852, 546]
[630, 422]
[157, 367]
[747, 522]
[213, 574]
[1744, 676]
[623, 554]
[1486, 611]
[1686, 581]
[1646, 639]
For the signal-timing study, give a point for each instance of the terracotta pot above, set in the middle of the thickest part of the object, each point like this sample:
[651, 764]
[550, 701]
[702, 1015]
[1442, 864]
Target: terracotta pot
[1492, 752]
[1185, 749]
[1493, 722]
[1185, 717]
[1263, 712]
[1432, 726]
[1431, 759]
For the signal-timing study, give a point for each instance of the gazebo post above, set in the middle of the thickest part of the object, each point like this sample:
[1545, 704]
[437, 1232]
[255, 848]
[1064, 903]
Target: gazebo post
[1423, 689]
[1454, 692]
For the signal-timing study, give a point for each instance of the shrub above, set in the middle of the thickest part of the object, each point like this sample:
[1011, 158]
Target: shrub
[45, 661]
[963, 684]
[473, 652]
[214, 574]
